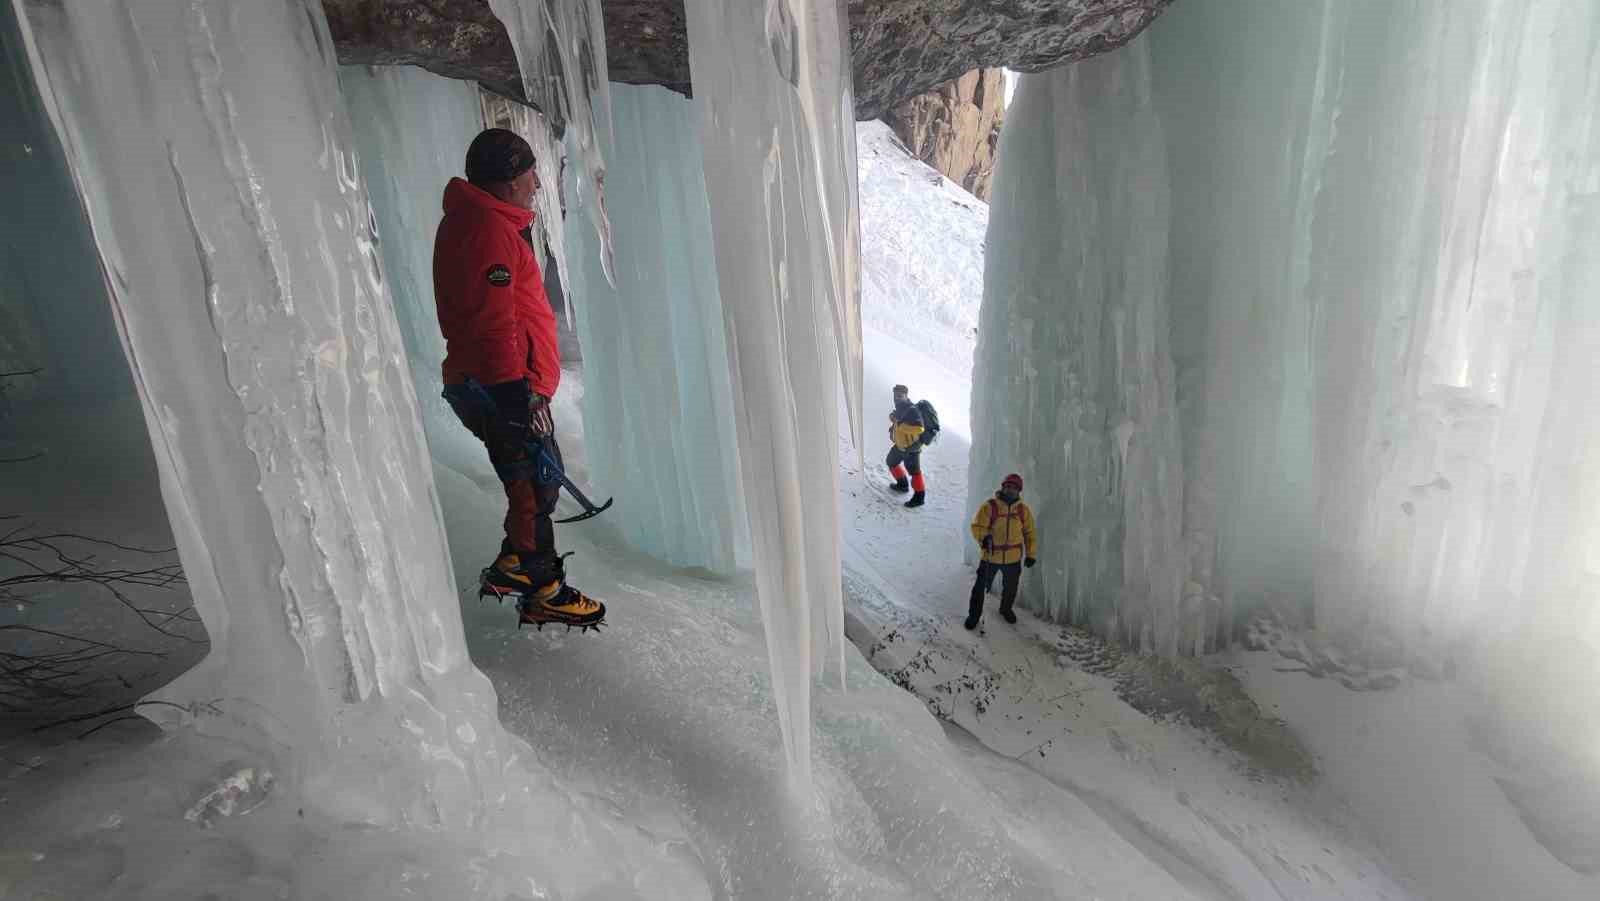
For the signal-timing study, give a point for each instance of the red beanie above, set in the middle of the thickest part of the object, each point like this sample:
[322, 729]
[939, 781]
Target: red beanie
[1012, 479]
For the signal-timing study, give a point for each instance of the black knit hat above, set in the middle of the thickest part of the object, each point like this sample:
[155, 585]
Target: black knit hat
[497, 155]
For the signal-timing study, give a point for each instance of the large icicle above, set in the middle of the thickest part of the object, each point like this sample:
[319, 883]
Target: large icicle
[657, 401]
[214, 160]
[561, 49]
[1381, 222]
[772, 83]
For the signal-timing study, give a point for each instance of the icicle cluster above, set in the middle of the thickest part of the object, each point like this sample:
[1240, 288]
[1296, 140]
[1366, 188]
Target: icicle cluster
[561, 49]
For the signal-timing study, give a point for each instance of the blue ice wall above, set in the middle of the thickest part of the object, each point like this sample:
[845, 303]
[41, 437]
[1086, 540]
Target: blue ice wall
[658, 401]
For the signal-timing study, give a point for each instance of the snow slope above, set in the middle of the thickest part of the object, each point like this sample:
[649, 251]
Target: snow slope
[922, 239]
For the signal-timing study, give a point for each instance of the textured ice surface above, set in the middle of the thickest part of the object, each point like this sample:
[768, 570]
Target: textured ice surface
[1074, 377]
[411, 132]
[658, 409]
[214, 159]
[561, 49]
[1378, 229]
[772, 87]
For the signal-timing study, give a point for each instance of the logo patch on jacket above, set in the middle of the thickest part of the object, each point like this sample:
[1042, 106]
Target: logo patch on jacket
[499, 275]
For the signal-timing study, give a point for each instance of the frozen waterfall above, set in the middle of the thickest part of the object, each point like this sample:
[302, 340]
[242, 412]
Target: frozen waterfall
[1291, 308]
[657, 401]
[213, 155]
[772, 84]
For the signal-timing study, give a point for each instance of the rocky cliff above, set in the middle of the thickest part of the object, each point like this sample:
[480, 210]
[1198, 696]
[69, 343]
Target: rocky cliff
[955, 127]
[899, 48]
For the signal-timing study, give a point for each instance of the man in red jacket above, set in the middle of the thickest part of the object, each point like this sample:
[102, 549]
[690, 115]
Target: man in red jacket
[502, 364]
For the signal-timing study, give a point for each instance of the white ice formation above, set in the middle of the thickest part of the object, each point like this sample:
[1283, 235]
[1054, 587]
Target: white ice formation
[1294, 307]
[561, 50]
[214, 159]
[411, 132]
[772, 84]
[658, 402]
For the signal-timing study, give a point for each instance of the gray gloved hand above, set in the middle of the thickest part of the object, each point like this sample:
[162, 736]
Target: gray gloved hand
[540, 422]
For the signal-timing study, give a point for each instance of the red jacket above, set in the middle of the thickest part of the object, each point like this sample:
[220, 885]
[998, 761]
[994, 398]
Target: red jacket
[496, 319]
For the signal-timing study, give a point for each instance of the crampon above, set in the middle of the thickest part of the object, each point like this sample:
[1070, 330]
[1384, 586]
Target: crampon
[533, 612]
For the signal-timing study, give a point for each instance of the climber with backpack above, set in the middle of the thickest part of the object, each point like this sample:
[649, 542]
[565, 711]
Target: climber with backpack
[912, 426]
[1003, 528]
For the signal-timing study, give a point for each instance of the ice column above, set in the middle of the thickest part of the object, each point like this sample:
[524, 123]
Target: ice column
[411, 132]
[1075, 380]
[1380, 247]
[772, 83]
[657, 402]
[561, 49]
[214, 159]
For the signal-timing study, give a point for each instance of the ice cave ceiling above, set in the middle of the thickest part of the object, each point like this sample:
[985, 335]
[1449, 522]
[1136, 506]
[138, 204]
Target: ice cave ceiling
[899, 48]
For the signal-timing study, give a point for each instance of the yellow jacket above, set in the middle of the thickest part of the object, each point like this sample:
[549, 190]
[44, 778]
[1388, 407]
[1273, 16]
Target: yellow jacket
[1009, 527]
[906, 435]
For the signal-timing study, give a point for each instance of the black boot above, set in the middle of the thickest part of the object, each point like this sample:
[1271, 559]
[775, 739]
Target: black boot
[917, 500]
[900, 487]
[971, 623]
[1008, 616]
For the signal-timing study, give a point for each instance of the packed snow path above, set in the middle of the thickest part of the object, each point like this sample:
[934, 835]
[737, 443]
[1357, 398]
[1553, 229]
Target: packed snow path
[1021, 705]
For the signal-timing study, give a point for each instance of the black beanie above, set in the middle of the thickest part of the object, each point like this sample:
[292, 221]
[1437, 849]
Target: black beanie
[497, 155]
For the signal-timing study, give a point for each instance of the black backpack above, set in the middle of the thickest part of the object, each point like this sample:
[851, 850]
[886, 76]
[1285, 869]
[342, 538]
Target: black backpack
[930, 422]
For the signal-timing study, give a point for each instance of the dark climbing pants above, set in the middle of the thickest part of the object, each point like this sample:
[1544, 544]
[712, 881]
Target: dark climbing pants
[911, 458]
[529, 529]
[1010, 575]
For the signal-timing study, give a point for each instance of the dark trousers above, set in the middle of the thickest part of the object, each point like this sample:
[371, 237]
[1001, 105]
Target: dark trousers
[1010, 575]
[529, 530]
[911, 458]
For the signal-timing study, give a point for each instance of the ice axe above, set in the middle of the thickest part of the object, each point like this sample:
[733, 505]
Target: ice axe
[473, 404]
[549, 472]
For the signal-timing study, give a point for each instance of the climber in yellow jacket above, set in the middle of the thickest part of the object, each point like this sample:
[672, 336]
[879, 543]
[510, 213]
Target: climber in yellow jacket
[1003, 528]
[908, 433]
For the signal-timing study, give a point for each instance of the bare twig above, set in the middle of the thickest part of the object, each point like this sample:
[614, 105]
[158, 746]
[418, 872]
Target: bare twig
[62, 669]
